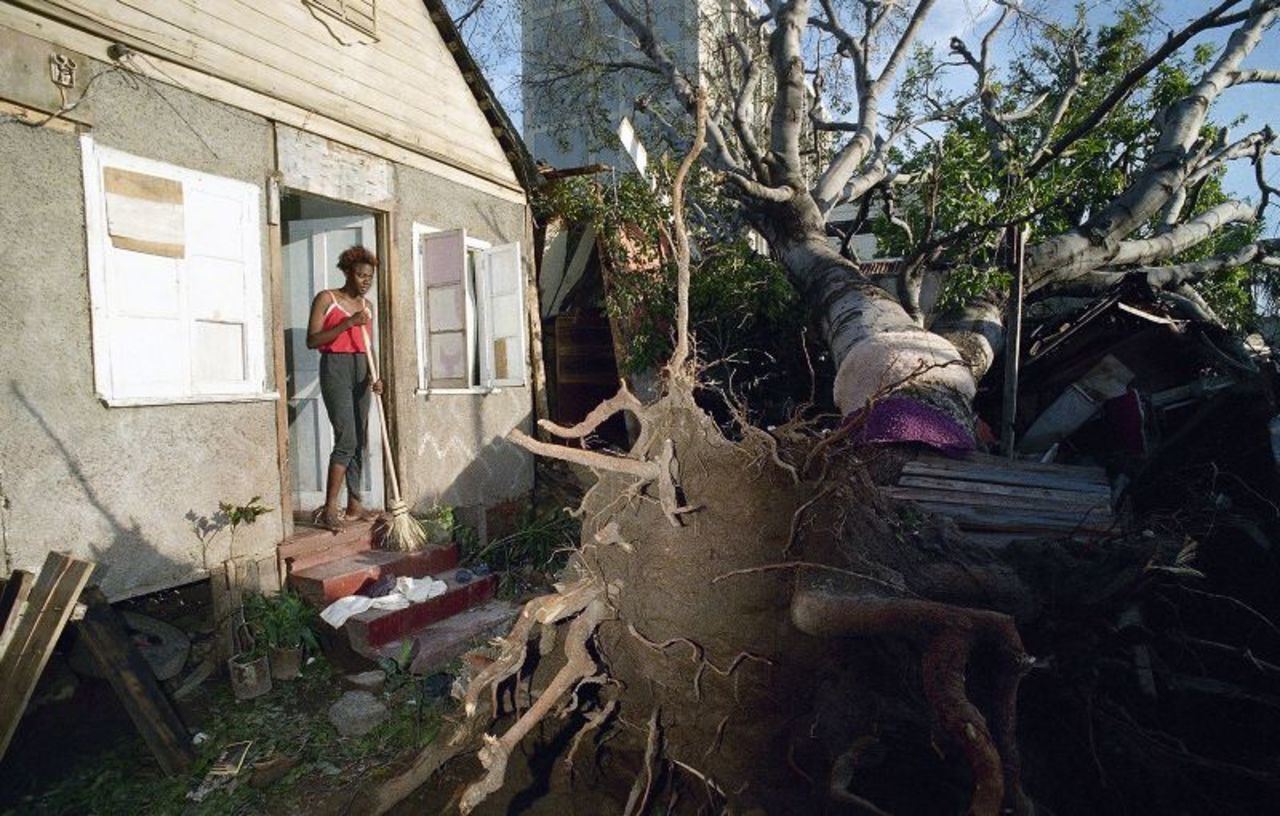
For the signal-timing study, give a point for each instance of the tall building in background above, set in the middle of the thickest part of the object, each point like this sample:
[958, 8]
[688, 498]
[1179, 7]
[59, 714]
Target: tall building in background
[574, 96]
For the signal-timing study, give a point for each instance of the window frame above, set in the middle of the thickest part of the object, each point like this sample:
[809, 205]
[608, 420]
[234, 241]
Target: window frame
[477, 329]
[94, 159]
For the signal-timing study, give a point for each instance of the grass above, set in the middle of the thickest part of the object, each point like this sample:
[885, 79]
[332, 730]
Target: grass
[538, 548]
[291, 720]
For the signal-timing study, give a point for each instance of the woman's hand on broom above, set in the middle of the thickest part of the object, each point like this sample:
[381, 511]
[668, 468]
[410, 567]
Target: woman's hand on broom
[377, 387]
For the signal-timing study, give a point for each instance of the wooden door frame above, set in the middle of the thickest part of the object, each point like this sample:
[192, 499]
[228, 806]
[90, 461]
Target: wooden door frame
[383, 221]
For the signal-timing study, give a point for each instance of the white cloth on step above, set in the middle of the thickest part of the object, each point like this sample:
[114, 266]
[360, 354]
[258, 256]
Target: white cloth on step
[418, 590]
[408, 591]
[338, 612]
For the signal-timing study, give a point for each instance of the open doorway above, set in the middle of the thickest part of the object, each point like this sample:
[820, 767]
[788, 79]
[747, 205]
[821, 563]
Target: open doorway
[314, 233]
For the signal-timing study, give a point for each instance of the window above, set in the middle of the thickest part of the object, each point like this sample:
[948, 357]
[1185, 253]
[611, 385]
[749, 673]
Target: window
[360, 14]
[470, 304]
[175, 282]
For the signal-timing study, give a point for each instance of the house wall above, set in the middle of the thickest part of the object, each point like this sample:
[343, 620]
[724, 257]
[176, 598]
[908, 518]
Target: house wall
[126, 486]
[452, 446]
[116, 485]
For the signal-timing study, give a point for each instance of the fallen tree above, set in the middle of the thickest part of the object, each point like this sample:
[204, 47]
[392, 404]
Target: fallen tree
[729, 580]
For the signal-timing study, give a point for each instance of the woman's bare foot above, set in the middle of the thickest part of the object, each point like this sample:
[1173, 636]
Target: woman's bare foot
[329, 518]
[358, 512]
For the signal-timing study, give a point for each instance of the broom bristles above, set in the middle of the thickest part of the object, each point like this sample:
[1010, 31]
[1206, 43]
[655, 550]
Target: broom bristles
[404, 532]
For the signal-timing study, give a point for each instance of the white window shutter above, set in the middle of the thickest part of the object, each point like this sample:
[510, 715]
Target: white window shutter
[445, 354]
[223, 279]
[502, 340]
[175, 281]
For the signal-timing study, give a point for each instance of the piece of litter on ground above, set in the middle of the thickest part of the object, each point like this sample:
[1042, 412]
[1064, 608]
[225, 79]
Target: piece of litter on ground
[199, 738]
[231, 760]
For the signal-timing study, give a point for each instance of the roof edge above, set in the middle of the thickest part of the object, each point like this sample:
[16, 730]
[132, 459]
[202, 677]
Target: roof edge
[513, 146]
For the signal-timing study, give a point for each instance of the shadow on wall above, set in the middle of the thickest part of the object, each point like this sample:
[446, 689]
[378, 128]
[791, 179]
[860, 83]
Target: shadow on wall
[128, 544]
[496, 470]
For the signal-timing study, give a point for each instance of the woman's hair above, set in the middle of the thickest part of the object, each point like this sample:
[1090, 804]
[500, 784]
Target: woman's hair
[356, 256]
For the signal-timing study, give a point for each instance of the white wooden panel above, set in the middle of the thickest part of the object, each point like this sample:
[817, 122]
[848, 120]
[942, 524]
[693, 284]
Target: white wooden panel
[156, 350]
[449, 356]
[446, 309]
[144, 285]
[215, 222]
[424, 104]
[217, 355]
[504, 315]
[216, 289]
[153, 339]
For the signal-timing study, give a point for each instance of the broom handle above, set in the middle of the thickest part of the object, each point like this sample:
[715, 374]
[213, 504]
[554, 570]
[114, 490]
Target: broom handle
[382, 418]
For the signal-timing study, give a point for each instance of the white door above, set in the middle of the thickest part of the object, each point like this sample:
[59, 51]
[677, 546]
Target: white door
[311, 250]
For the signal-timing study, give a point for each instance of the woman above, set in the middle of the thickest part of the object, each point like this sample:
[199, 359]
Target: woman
[339, 320]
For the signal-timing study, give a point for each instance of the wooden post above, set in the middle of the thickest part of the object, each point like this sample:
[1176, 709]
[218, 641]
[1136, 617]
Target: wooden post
[1015, 241]
[131, 678]
[50, 603]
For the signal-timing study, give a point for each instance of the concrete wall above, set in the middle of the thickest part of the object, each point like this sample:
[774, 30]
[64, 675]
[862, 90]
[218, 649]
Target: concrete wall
[126, 486]
[452, 446]
[115, 485]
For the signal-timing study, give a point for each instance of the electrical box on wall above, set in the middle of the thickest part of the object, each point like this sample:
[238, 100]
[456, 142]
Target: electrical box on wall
[43, 77]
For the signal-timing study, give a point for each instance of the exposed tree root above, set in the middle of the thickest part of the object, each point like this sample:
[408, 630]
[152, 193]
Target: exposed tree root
[579, 664]
[464, 739]
[639, 796]
[946, 636]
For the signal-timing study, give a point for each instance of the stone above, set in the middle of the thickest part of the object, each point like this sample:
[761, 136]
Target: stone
[356, 713]
[371, 681]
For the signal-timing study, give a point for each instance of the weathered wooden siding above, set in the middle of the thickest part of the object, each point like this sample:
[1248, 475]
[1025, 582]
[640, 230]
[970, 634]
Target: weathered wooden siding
[401, 85]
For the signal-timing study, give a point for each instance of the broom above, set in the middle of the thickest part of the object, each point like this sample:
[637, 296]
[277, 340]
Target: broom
[403, 532]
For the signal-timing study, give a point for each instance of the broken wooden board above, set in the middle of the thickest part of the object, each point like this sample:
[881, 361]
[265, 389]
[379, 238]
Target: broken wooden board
[49, 606]
[13, 601]
[135, 684]
[997, 501]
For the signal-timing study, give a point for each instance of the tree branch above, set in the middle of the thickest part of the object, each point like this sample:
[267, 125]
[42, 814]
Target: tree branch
[1127, 84]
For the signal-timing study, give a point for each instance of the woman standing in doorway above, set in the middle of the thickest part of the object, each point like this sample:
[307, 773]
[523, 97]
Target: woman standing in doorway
[339, 320]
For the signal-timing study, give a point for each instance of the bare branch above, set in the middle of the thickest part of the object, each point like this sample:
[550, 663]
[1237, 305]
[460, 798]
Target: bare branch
[679, 358]
[1254, 75]
[790, 91]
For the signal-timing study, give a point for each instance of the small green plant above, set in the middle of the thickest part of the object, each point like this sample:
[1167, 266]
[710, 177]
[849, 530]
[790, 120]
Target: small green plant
[540, 545]
[439, 523]
[281, 621]
[397, 668]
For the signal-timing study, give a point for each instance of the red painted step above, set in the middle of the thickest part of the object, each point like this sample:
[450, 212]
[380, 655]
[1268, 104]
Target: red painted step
[438, 644]
[377, 627]
[309, 546]
[324, 583]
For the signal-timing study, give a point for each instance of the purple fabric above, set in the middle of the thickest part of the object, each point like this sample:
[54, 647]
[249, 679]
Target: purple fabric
[900, 419]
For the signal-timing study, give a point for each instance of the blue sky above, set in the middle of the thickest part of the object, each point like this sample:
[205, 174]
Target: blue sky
[968, 19]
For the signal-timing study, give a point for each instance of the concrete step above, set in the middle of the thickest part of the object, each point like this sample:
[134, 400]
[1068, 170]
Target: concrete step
[328, 581]
[309, 546]
[377, 627]
[436, 646]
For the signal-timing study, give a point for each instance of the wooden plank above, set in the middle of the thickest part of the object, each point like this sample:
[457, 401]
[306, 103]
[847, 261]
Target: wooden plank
[1017, 520]
[997, 475]
[1086, 472]
[49, 606]
[1096, 504]
[131, 677]
[189, 38]
[13, 601]
[1046, 494]
[73, 35]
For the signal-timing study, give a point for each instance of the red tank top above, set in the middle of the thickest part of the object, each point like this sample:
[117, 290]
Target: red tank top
[350, 341]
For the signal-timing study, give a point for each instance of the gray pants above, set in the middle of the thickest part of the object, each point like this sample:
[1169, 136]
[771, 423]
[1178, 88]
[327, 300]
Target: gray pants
[345, 386]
